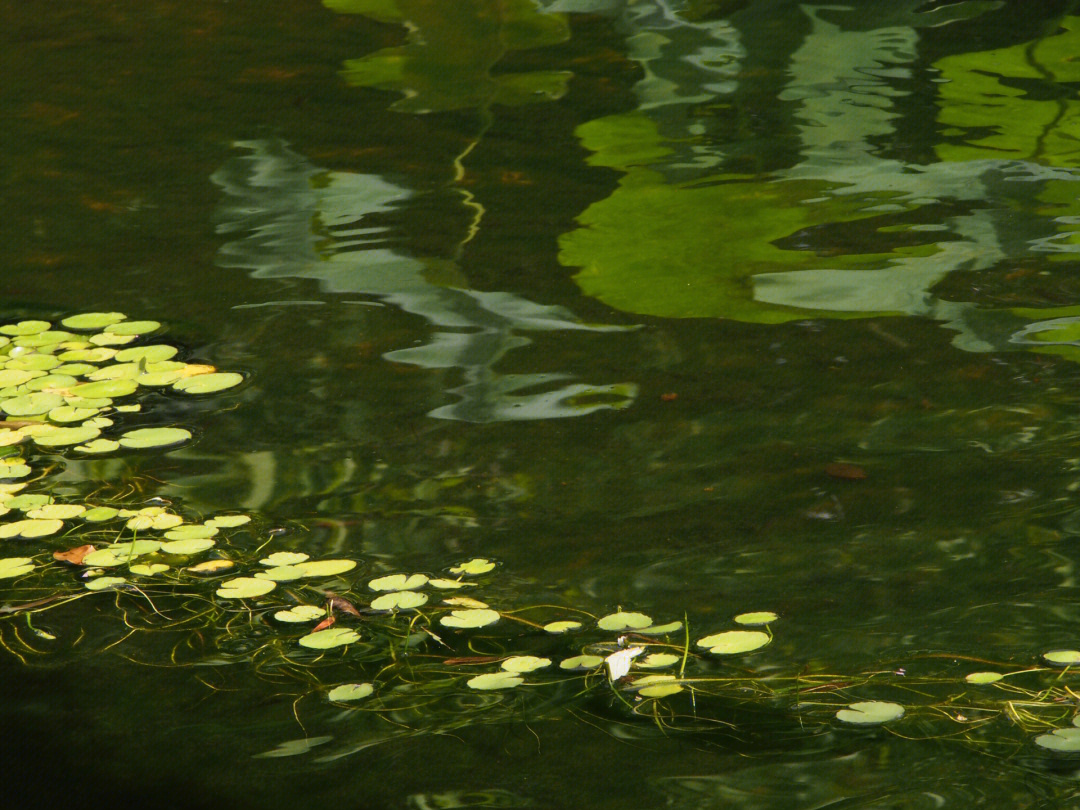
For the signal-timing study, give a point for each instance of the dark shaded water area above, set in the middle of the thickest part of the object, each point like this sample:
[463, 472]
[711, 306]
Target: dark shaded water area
[688, 308]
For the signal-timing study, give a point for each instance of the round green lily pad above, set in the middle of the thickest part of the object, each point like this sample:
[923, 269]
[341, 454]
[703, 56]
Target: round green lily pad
[469, 618]
[25, 327]
[478, 565]
[658, 660]
[350, 691]
[154, 437]
[398, 582]
[659, 629]
[450, 584]
[869, 713]
[148, 354]
[331, 637]
[105, 583]
[117, 371]
[562, 627]
[98, 446]
[148, 570]
[188, 546]
[1062, 658]
[28, 529]
[284, 558]
[399, 600]
[69, 413]
[624, 621]
[41, 339]
[734, 641]
[208, 383]
[245, 588]
[132, 327]
[191, 531]
[62, 437]
[104, 558]
[280, 573]
[210, 567]
[756, 619]
[110, 339]
[57, 511]
[99, 514]
[10, 377]
[983, 677]
[15, 567]
[325, 568]
[159, 521]
[54, 382]
[1065, 740]
[134, 548]
[31, 500]
[92, 321]
[581, 662]
[659, 690]
[300, 613]
[525, 663]
[14, 469]
[228, 521]
[495, 680]
[105, 389]
[37, 403]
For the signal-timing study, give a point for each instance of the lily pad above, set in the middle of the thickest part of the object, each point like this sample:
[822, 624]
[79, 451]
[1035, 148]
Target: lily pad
[98, 446]
[148, 570]
[92, 321]
[659, 690]
[28, 529]
[193, 545]
[210, 567]
[15, 566]
[132, 327]
[56, 511]
[191, 531]
[25, 327]
[149, 354]
[135, 548]
[350, 691]
[624, 621]
[870, 713]
[228, 521]
[562, 627]
[98, 354]
[99, 514]
[658, 660]
[525, 663]
[1062, 658]
[734, 641]
[283, 558]
[325, 568]
[581, 662]
[62, 437]
[398, 582]
[331, 637]
[69, 413]
[105, 389]
[160, 521]
[208, 383]
[104, 558]
[105, 583]
[660, 629]
[281, 573]
[300, 613]
[475, 566]
[1065, 740]
[495, 680]
[983, 677]
[756, 619]
[245, 588]
[37, 403]
[154, 437]
[399, 600]
[469, 618]
[450, 584]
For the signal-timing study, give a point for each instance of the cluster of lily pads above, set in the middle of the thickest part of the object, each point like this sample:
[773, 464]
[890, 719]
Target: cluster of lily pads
[420, 637]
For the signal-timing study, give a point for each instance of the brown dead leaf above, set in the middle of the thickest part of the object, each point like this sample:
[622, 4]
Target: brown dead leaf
[464, 601]
[342, 605]
[73, 555]
[329, 620]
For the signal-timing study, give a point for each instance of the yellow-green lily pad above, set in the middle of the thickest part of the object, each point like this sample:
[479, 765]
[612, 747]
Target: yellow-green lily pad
[756, 619]
[450, 584]
[283, 558]
[25, 327]
[1062, 658]
[562, 627]
[871, 712]
[92, 321]
[475, 566]
[325, 568]
[148, 569]
[399, 600]
[37, 403]
[398, 582]
[228, 521]
[624, 621]
[350, 691]
[658, 660]
[15, 566]
[469, 618]
[98, 446]
[99, 514]
[495, 680]
[186, 547]
[132, 327]
[983, 677]
[62, 437]
[208, 383]
[191, 531]
[331, 637]
[525, 663]
[105, 389]
[28, 529]
[581, 662]
[105, 583]
[734, 641]
[280, 573]
[300, 613]
[150, 354]
[245, 588]
[56, 511]
[1064, 740]
[154, 437]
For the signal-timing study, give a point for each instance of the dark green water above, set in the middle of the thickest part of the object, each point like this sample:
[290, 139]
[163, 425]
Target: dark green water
[632, 276]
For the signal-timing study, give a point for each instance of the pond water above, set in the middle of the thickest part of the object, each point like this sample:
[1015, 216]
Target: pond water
[687, 308]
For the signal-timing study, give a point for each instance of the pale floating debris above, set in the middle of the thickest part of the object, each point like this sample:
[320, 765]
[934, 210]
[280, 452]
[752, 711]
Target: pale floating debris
[244, 588]
[399, 600]
[734, 641]
[477, 565]
[350, 691]
[398, 582]
[331, 637]
[871, 712]
[525, 663]
[618, 663]
[467, 619]
[495, 680]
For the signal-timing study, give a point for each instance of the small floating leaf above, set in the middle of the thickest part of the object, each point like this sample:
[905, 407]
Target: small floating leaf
[561, 627]
[1062, 658]
[99, 514]
[581, 662]
[61, 437]
[98, 354]
[332, 637]
[983, 677]
[624, 621]
[69, 413]
[148, 570]
[657, 660]
[469, 618]
[280, 573]
[37, 403]
[228, 521]
[399, 600]
[464, 601]
[136, 548]
[149, 354]
[350, 691]
[660, 690]
[30, 528]
[132, 328]
[210, 567]
[208, 383]
[57, 511]
[477, 565]
[870, 712]
[450, 584]
[245, 588]
[495, 680]
[191, 531]
[92, 321]
[98, 446]
[525, 663]
[105, 583]
[1066, 740]
[734, 641]
[105, 389]
[154, 437]
[15, 566]
[31, 500]
[659, 629]
[325, 568]
[103, 558]
[142, 522]
[284, 558]
[755, 619]
[300, 613]
[25, 327]
[193, 545]
[398, 582]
